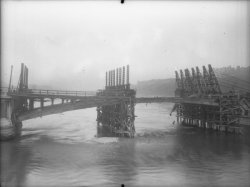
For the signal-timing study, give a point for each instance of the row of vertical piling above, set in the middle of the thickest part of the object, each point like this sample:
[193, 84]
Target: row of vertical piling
[23, 80]
[209, 125]
[118, 77]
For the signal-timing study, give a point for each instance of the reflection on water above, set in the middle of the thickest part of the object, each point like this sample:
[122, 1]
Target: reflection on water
[66, 150]
[14, 161]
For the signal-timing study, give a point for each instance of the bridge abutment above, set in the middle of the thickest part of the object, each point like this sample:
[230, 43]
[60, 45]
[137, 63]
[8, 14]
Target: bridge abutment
[10, 124]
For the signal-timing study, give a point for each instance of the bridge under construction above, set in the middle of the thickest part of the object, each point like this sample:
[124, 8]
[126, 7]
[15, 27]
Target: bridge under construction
[198, 100]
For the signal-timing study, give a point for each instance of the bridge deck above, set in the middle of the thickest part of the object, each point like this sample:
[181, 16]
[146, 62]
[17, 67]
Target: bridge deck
[194, 100]
[84, 99]
[87, 102]
[94, 101]
[38, 93]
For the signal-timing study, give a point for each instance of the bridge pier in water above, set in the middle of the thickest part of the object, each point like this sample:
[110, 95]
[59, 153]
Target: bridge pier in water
[11, 107]
[117, 119]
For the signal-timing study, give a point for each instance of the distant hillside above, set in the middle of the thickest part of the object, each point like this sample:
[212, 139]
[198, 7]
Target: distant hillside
[159, 87]
[234, 78]
[229, 79]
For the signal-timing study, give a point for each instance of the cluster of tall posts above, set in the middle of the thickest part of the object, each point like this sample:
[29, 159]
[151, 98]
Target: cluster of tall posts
[115, 79]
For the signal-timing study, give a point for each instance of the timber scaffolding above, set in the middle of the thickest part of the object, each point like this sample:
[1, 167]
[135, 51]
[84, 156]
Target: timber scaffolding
[118, 118]
[221, 113]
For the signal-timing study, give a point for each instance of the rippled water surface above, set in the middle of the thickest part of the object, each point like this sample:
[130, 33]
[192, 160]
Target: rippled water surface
[64, 150]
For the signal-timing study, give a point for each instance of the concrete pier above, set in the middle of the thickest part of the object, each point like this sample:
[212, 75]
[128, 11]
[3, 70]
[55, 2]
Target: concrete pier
[10, 125]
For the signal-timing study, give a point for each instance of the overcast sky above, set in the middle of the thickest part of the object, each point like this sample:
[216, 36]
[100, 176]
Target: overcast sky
[70, 45]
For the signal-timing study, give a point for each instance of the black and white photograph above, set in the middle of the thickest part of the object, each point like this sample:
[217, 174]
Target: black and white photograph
[125, 93]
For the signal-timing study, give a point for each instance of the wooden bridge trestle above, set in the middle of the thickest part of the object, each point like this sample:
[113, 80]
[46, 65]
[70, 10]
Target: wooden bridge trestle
[119, 118]
[222, 112]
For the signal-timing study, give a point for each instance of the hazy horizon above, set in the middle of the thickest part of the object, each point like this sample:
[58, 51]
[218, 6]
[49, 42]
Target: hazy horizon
[70, 45]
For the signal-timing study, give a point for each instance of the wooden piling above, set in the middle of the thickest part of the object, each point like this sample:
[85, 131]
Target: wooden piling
[128, 77]
[117, 77]
[106, 82]
[31, 103]
[120, 74]
[123, 76]
[109, 79]
[113, 77]
[41, 102]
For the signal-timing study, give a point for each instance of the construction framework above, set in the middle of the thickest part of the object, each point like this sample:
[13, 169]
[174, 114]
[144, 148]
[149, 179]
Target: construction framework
[222, 113]
[117, 118]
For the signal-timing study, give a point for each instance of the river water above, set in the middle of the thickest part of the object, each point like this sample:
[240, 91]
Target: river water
[64, 150]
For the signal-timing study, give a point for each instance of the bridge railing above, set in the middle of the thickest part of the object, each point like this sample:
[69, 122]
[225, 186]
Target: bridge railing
[52, 92]
[115, 93]
[4, 91]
